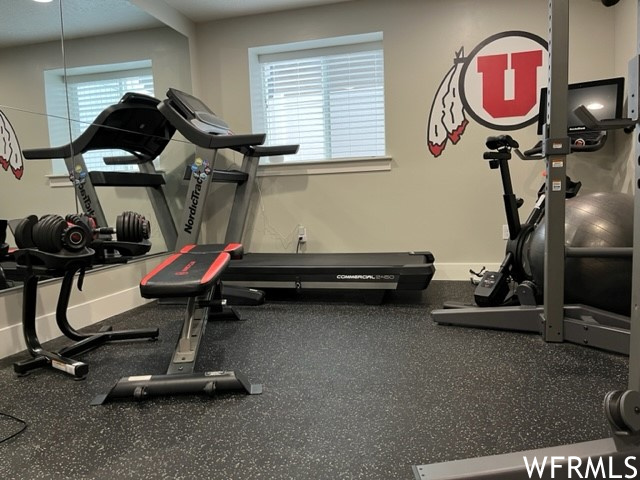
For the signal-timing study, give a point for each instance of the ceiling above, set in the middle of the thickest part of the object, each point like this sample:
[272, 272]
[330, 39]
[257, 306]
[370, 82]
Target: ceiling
[81, 18]
[95, 17]
[206, 10]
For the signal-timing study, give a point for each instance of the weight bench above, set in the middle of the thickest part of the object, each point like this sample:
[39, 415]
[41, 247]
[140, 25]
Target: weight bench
[193, 272]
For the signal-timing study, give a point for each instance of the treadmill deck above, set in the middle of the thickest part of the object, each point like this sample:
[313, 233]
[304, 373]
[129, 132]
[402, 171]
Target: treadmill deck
[376, 271]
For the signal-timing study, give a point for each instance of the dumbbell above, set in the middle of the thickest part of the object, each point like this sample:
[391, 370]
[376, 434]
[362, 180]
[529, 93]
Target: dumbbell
[130, 226]
[53, 234]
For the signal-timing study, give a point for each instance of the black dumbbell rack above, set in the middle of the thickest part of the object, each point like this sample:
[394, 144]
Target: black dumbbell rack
[40, 265]
[116, 251]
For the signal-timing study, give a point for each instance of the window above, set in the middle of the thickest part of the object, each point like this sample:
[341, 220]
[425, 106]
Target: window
[327, 96]
[90, 90]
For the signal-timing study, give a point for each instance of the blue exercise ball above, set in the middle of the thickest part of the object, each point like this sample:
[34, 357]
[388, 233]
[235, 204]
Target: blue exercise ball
[592, 220]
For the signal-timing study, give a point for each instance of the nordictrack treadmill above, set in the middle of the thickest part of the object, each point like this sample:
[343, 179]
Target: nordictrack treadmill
[372, 273]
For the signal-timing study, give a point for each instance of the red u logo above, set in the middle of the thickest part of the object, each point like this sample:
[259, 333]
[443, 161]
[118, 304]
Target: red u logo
[493, 67]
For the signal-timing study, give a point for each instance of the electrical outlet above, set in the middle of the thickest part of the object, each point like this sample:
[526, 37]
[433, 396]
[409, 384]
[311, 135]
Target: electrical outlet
[302, 234]
[505, 232]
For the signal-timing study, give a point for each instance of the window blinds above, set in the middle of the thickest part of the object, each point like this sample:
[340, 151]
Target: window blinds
[328, 100]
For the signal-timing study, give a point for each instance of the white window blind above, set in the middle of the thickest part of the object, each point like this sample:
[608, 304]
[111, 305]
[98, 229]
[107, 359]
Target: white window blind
[91, 94]
[329, 100]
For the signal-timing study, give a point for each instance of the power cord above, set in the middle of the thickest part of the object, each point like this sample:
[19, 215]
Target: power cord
[286, 240]
[24, 426]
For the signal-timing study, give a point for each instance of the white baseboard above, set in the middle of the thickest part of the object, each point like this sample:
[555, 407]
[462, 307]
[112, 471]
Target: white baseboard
[460, 271]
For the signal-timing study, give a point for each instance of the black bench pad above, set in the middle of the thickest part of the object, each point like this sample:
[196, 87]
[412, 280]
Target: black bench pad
[188, 273]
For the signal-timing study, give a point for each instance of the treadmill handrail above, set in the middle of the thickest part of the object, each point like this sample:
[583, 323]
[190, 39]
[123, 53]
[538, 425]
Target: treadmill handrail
[123, 160]
[272, 150]
[63, 151]
[203, 139]
[76, 147]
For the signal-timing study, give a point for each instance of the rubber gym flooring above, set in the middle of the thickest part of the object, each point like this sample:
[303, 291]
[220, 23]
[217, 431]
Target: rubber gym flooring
[351, 391]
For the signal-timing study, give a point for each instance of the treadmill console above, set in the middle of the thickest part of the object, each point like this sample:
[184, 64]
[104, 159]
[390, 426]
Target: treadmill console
[198, 124]
[198, 113]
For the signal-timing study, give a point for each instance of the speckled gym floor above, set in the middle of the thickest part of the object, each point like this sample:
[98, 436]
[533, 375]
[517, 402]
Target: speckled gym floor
[351, 391]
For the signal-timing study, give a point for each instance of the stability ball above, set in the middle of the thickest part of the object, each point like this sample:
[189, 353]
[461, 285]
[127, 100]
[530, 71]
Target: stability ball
[592, 220]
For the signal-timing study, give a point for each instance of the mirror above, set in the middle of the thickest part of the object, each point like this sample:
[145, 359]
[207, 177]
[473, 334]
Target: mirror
[30, 44]
[53, 47]
[111, 49]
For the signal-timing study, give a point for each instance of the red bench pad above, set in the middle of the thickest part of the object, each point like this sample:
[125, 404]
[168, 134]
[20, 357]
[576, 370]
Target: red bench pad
[187, 274]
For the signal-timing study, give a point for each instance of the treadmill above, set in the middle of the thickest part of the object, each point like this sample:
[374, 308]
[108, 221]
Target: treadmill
[373, 274]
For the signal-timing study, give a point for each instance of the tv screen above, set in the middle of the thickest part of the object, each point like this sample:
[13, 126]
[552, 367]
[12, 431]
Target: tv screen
[603, 98]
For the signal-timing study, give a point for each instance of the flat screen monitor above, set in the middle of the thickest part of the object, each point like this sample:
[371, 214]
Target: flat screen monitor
[603, 98]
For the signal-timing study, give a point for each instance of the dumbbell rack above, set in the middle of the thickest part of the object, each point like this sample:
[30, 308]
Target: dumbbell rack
[108, 252]
[39, 265]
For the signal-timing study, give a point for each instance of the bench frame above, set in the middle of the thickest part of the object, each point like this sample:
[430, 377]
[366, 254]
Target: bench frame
[181, 377]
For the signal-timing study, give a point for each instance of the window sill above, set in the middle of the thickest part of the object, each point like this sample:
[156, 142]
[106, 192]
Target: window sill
[59, 180]
[351, 165]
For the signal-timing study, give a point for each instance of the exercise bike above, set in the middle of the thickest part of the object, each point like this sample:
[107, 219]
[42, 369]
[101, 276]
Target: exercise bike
[510, 299]
[512, 283]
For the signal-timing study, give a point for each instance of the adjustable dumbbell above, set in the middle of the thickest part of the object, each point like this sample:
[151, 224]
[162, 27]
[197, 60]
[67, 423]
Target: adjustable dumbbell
[130, 226]
[52, 234]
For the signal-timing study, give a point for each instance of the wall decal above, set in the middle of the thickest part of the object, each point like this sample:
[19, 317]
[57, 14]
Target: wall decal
[10, 153]
[497, 85]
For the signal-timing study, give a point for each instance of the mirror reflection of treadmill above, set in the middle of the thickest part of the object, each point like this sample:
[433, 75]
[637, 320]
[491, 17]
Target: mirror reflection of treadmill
[372, 273]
